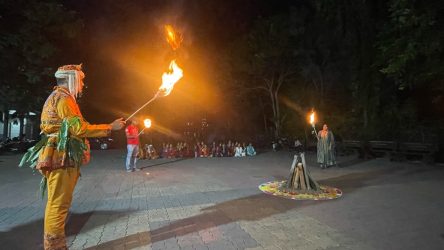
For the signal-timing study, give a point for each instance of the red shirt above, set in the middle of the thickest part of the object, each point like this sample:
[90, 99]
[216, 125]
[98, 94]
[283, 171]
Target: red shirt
[132, 135]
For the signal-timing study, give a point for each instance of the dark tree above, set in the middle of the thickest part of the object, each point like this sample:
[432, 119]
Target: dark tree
[31, 43]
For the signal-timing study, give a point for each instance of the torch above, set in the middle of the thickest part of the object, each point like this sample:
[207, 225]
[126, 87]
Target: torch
[147, 123]
[312, 122]
[168, 80]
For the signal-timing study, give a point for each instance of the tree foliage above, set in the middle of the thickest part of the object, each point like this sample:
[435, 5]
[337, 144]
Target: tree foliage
[264, 60]
[31, 43]
[371, 69]
[362, 64]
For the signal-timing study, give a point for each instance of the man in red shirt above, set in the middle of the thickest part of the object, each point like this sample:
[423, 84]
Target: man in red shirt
[132, 138]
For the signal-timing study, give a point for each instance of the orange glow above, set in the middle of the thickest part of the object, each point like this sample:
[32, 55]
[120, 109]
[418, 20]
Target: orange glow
[166, 131]
[312, 118]
[173, 38]
[170, 78]
[147, 123]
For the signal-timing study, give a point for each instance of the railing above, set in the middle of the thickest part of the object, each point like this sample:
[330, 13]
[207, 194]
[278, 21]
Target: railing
[394, 150]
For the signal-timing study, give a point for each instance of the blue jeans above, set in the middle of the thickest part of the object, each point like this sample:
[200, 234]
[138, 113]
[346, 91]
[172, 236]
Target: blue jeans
[131, 157]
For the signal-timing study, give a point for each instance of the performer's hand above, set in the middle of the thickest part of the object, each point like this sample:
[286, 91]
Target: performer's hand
[117, 124]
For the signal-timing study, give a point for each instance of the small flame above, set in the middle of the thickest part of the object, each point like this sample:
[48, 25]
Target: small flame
[147, 123]
[170, 78]
[173, 38]
[312, 117]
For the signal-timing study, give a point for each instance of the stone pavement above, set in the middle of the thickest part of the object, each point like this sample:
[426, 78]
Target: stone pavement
[214, 203]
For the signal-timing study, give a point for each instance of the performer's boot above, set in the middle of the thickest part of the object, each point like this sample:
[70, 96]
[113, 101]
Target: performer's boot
[54, 242]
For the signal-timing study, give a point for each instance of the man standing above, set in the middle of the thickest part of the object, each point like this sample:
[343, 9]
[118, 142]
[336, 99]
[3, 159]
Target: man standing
[132, 138]
[63, 149]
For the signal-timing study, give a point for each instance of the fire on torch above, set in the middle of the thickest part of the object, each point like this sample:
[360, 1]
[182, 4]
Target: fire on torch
[173, 75]
[173, 38]
[312, 122]
[147, 123]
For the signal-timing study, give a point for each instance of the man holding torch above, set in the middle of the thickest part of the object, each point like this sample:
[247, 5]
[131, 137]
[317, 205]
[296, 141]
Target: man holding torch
[132, 139]
[63, 149]
[325, 147]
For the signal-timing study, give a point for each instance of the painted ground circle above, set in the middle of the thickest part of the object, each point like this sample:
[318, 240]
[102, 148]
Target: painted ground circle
[326, 193]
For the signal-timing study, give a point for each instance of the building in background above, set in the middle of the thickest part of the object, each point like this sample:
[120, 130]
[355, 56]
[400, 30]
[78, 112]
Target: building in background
[27, 123]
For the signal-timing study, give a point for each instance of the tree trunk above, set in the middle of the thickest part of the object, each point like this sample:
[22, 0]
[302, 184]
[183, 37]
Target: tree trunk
[275, 121]
[277, 115]
[321, 77]
[22, 125]
[264, 115]
[365, 116]
[5, 123]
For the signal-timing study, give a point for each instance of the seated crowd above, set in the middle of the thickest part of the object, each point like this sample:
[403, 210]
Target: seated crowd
[200, 149]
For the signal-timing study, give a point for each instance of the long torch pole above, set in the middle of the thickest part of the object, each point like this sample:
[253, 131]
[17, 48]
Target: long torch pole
[141, 131]
[148, 102]
[314, 130]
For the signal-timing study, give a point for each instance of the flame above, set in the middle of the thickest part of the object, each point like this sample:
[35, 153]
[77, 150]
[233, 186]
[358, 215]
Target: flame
[312, 117]
[170, 78]
[173, 38]
[147, 123]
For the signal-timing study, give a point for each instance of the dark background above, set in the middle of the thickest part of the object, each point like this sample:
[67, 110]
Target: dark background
[370, 69]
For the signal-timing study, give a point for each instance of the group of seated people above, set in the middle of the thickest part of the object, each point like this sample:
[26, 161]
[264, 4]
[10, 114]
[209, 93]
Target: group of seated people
[200, 149]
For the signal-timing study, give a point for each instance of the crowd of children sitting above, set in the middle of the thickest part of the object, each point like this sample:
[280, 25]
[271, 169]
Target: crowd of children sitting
[200, 149]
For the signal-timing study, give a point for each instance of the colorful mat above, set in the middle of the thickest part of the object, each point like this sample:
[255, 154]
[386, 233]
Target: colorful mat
[274, 188]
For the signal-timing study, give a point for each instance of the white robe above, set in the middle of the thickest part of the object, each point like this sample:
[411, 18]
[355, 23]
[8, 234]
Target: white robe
[238, 152]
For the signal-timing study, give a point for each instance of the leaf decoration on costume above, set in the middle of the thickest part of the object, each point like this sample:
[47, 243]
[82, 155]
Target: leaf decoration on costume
[64, 133]
[32, 155]
[73, 147]
[43, 185]
[76, 148]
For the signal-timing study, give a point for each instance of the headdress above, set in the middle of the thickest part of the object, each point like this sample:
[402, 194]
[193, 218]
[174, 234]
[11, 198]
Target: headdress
[74, 74]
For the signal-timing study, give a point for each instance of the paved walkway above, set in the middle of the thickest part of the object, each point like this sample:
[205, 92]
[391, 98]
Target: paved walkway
[215, 204]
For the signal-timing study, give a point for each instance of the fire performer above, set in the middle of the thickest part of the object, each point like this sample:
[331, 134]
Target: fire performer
[325, 147]
[132, 138]
[63, 149]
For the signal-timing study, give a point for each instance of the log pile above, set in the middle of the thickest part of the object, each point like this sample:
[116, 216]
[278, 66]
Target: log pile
[300, 179]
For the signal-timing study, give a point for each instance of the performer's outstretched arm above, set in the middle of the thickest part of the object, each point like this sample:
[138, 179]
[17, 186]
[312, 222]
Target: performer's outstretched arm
[68, 108]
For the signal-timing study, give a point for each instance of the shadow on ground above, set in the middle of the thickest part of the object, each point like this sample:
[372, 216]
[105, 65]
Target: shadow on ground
[353, 181]
[249, 208]
[30, 235]
[164, 163]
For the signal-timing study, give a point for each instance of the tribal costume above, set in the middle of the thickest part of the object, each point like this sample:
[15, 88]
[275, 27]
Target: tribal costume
[61, 151]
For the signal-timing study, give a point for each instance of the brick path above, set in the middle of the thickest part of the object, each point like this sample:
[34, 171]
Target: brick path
[215, 204]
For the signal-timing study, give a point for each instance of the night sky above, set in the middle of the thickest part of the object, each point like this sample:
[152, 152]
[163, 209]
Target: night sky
[371, 69]
[124, 53]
